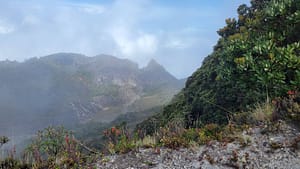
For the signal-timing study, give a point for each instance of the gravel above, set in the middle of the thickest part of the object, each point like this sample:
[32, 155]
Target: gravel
[273, 149]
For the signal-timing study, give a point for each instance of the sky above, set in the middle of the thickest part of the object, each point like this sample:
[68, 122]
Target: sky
[178, 34]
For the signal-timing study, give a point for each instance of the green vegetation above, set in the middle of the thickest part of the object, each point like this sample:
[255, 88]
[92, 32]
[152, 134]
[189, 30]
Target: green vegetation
[174, 135]
[251, 78]
[256, 60]
[53, 147]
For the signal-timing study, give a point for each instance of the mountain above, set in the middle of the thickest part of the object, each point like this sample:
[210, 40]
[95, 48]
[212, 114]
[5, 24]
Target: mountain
[69, 88]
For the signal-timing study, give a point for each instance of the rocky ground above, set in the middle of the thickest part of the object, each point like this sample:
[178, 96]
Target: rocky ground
[257, 147]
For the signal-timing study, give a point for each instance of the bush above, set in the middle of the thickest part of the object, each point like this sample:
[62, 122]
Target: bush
[119, 140]
[55, 147]
[174, 142]
[11, 163]
[288, 107]
[191, 135]
[210, 132]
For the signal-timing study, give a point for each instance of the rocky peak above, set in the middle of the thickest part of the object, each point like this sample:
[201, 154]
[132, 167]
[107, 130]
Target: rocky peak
[154, 65]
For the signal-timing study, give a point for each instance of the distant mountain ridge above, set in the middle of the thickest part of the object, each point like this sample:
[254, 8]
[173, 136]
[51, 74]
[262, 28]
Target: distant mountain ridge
[69, 88]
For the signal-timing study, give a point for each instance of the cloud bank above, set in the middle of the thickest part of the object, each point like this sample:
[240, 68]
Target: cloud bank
[177, 35]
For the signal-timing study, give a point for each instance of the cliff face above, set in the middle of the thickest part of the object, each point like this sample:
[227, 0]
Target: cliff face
[118, 86]
[68, 88]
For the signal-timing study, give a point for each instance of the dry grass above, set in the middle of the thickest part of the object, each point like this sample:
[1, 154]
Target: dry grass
[149, 141]
[263, 111]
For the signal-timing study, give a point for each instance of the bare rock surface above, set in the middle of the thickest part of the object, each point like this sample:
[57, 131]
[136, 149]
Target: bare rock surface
[258, 147]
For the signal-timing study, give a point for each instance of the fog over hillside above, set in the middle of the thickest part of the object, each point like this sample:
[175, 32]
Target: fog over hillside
[70, 89]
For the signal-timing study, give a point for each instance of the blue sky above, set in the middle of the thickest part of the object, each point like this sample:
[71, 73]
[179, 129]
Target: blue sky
[176, 33]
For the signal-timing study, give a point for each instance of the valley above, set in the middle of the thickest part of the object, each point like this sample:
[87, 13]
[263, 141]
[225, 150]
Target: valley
[72, 90]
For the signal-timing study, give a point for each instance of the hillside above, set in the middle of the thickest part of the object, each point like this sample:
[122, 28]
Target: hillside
[256, 59]
[68, 89]
[240, 109]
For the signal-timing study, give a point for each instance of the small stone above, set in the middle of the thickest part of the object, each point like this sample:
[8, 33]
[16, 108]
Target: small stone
[265, 143]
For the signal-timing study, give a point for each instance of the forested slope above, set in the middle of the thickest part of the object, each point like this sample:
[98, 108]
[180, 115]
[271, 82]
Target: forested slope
[256, 59]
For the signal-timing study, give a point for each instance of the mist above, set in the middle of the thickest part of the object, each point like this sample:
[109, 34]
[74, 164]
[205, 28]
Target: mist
[139, 30]
[73, 62]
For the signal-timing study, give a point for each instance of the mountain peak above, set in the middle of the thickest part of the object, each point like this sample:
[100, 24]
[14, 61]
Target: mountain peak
[153, 61]
[153, 64]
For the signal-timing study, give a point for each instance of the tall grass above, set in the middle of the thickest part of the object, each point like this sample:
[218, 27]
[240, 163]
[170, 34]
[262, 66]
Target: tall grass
[262, 111]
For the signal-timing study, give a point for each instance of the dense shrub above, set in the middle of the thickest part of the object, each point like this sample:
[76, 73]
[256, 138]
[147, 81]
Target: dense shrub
[288, 107]
[256, 59]
[56, 147]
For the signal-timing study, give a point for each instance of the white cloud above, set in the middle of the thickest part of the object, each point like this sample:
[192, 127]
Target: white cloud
[6, 28]
[175, 43]
[134, 29]
[123, 23]
[91, 9]
[134, 45]
[121, 38]
[147, 44]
